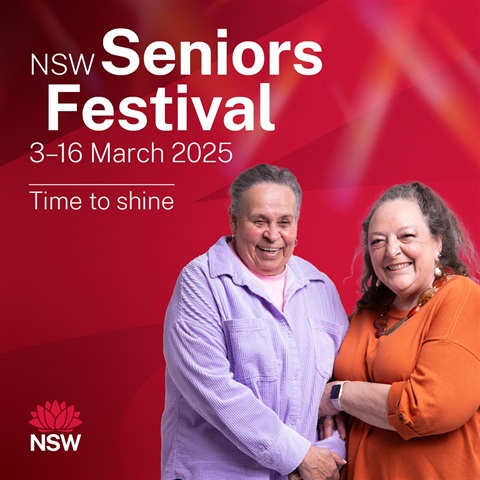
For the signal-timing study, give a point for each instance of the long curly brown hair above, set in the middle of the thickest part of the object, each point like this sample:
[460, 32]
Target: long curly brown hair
[441, 222]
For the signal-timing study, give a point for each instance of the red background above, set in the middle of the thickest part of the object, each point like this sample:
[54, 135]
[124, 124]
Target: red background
[83, 293]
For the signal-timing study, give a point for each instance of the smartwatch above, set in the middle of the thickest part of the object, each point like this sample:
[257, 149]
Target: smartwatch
[336, 395]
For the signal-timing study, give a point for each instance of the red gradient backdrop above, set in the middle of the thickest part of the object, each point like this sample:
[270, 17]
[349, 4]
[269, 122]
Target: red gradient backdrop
[83, 293]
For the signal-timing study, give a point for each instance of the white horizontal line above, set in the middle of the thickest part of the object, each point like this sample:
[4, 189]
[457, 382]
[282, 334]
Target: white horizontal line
[101, 184]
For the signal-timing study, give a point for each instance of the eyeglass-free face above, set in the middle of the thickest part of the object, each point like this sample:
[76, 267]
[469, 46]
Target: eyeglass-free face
[266, 229]
[402, 250]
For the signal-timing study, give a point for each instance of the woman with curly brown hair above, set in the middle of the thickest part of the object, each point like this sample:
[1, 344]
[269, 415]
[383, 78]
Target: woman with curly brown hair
[408, 372]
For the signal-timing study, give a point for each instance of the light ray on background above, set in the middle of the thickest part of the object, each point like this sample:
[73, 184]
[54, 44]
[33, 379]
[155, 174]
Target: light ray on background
[427, 72]
[366, 114]
[455, 49]
[403, 53]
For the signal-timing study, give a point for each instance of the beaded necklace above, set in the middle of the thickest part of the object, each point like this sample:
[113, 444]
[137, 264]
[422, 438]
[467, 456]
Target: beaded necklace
[381, 322]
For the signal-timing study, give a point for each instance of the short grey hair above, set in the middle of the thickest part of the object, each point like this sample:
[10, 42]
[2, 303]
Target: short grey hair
[264, 173]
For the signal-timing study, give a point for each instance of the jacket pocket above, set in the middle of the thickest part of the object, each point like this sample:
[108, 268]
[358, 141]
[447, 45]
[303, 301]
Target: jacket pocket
[250, 350]
[326, 337]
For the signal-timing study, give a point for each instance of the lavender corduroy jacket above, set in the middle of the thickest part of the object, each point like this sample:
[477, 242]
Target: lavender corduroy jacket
[243, 379]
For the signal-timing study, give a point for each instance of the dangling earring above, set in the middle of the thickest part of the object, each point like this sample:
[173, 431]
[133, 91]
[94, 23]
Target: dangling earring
[233, 237]
[378, 283]
[438, 271]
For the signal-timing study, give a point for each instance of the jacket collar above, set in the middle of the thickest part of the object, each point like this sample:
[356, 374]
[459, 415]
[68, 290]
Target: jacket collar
[222, 261]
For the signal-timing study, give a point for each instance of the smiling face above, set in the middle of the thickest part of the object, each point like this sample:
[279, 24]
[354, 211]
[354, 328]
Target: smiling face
[402, 250]
[266, 228]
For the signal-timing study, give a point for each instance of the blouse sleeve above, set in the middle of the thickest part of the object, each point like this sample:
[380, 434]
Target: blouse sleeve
[443, 392]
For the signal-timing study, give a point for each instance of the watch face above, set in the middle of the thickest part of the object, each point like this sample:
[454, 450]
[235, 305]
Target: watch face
[335, 390]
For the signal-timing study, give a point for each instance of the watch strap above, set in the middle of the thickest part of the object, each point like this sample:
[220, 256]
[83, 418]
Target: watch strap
[336, 395]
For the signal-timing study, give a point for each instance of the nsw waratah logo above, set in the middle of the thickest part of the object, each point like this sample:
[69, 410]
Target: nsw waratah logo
[52, 418]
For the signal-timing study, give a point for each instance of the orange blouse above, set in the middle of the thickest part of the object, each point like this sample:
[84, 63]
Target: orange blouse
[433, 364]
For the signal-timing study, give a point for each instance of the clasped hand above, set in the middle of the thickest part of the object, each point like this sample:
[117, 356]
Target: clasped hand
[318, 464]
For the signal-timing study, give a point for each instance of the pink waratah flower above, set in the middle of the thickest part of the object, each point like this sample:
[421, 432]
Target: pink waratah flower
[55, 416]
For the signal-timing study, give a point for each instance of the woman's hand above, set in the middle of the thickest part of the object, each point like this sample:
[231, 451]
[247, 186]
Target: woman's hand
[327, 424]
[326, 407]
